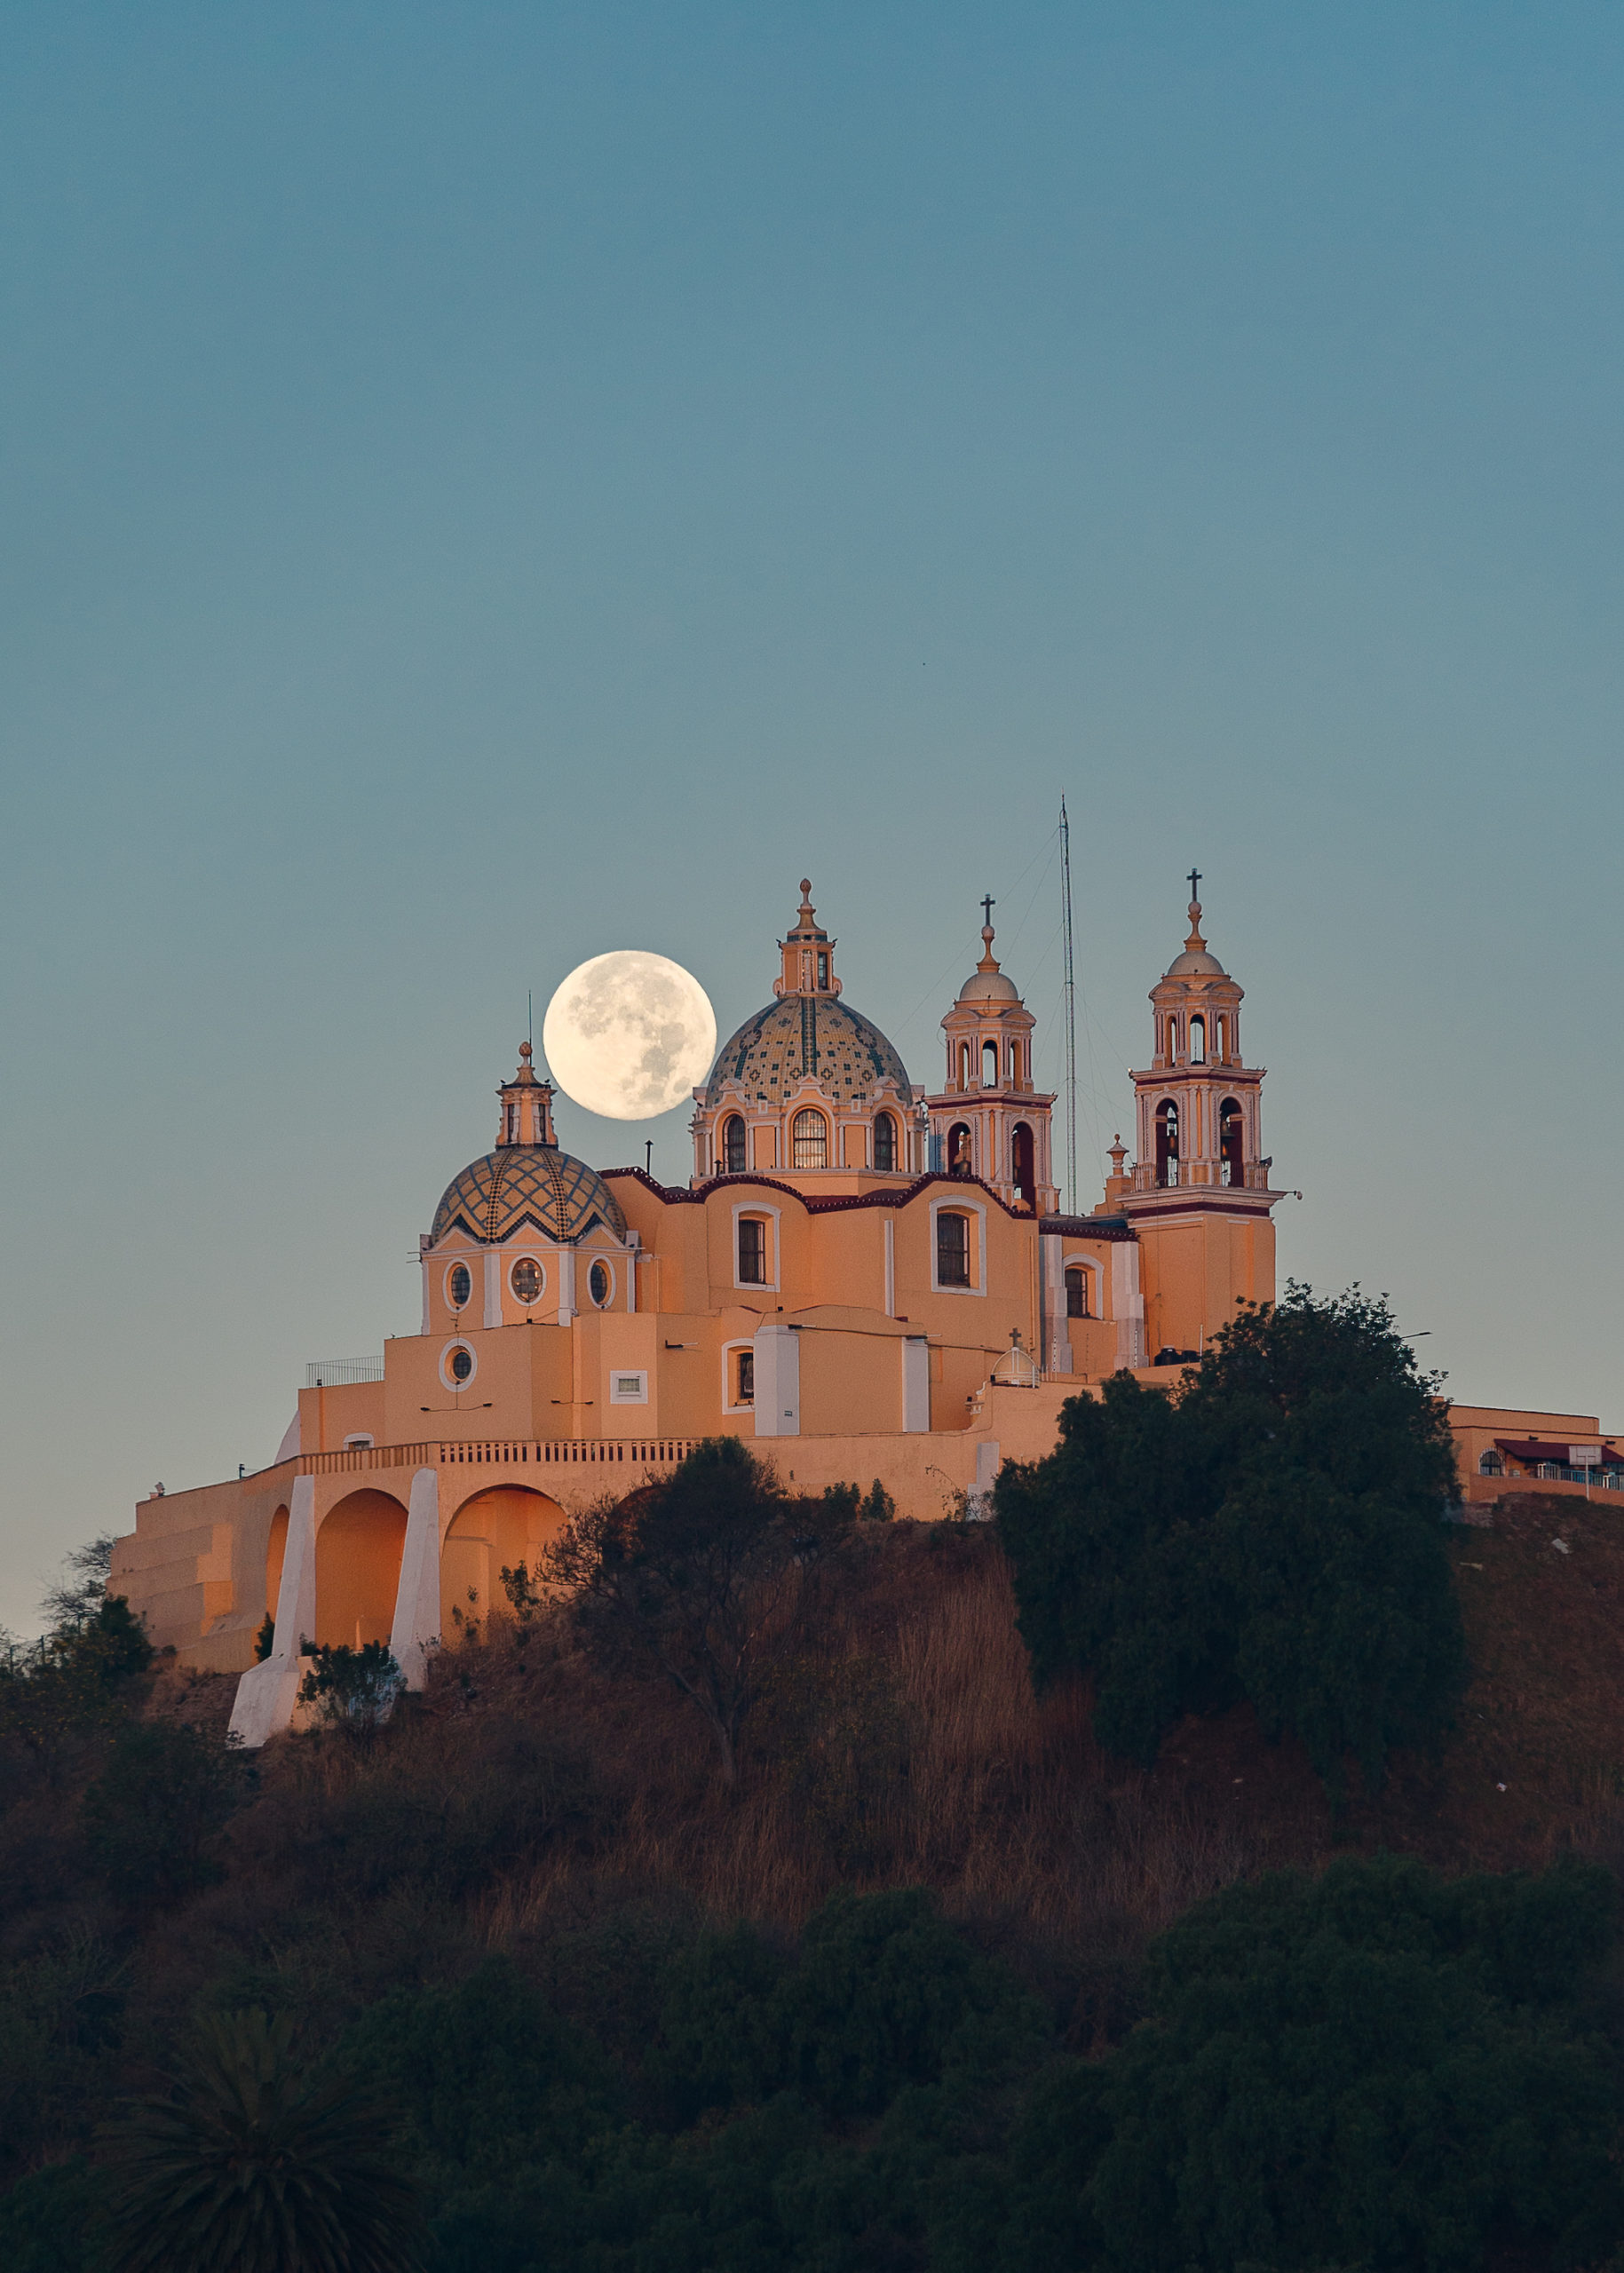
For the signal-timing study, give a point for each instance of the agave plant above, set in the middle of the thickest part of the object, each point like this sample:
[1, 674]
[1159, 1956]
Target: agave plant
[247, 2167]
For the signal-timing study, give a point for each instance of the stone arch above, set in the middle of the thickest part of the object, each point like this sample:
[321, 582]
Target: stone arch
[506, 1524]
[358, 1568]
[276, 1548]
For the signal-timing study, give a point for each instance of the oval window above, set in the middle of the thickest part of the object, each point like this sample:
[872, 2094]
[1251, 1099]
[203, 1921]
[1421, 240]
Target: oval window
[527, 1279]
[459, 1286]
[461, 1364]
[598, 1284]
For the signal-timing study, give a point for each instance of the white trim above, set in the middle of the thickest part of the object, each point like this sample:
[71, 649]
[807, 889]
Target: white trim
[566, 1284]
[618, 1392]
[595, 1262]
[915, 1385]
[757, 1207]
[360, 1442]
[448, 1379]
[978, 1261]
[778, 1381]
[415, 1629]
[457, 1263]
[728, 1348]
[493, 1287]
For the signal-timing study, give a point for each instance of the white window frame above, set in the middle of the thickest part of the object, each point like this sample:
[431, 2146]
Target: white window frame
[729, 1348]
[591, 1258]
[978, 1260]
[527, 1257]
[448, 1379]
[619, 1374]
[360, 1442]
[458, 1263]
[1096, 1299]
[768, 1285]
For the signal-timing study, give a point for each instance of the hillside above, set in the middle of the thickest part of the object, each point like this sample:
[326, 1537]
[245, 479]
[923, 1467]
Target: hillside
[529, 1807]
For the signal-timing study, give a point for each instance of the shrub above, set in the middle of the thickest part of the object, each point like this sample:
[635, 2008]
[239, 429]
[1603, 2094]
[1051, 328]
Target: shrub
[1373, 2068]
[150, 1817]
[351, 1688]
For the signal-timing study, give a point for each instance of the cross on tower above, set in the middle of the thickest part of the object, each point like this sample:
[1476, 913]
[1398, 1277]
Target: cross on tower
[987, 905]
[1196, 879]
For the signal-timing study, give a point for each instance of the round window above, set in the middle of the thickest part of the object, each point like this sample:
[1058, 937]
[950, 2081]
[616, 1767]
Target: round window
[599, 1284]
[461, 1364]
[459, 1286]
[527, 1279]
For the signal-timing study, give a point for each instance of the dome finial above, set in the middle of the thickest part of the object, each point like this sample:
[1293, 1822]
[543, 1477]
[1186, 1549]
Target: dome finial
[1195, 939]
[989, 961]
[806, 911]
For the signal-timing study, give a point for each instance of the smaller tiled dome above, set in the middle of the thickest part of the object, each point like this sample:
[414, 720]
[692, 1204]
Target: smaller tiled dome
[527, 1185]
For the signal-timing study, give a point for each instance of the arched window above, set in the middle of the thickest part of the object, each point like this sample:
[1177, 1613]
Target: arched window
[823, 971]
[1076, 1291]
[1167, 1142]
[884, 1142]
[1023, 1174]
[1491, 1464]
[744, 1377]
[459, 1286]
[732, 1145]
[958, 1148]
[1198, 1039]
[952, 1249]
[810, 1139]
[1231, 1144]
[990, 1064]
[752, 1251]
[599, 1284]
[1172, 1048]
[963, 1065]
[1223, 1042]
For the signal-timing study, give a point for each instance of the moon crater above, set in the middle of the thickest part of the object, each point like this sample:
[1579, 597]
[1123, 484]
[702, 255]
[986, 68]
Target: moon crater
[628, 1035]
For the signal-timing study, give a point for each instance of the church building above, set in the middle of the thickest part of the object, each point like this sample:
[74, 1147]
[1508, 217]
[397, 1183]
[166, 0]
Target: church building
[866, 1277]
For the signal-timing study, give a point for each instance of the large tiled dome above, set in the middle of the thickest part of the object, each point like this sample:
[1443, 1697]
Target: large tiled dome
[808, 1037]
[536, 1185]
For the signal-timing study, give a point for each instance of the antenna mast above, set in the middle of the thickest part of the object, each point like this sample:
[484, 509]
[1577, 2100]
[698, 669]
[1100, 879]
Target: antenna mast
[1071, 1012]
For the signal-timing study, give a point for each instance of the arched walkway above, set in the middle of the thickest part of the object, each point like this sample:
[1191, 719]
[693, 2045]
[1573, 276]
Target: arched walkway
[358, 1569]
[507, 1524]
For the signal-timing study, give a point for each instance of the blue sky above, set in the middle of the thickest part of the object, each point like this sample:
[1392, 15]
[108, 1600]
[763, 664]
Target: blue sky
[483, 486]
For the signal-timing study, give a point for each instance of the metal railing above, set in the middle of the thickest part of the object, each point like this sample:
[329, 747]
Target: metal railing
[338, 1373]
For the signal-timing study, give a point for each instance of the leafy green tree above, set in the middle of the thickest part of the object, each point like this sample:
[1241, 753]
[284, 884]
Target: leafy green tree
[82, 1676]
[250, 2166]
[1272, 1532]
[47, 2219]
[696, 1578]
[150, 1817]
[1377, 2068]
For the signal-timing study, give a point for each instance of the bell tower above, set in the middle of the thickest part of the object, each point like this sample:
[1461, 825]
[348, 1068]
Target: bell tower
[1198, 1195]
[988, 1119]
[526, 1106]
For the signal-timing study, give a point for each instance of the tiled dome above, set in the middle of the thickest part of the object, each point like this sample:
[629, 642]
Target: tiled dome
[528, 1185]
[814, 1037]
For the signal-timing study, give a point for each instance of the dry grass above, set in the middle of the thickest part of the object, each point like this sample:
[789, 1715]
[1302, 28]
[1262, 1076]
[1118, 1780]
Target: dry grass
[903, 1745]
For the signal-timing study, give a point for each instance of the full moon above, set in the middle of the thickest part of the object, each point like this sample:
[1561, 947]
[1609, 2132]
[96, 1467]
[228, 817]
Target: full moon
[628, 1035]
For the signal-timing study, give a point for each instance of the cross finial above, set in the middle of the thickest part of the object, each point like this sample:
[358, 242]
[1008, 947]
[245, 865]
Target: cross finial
[1195, 883]
[987, 905]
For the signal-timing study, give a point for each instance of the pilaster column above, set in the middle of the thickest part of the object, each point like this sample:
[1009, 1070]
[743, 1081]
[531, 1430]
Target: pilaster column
[266, 1693]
